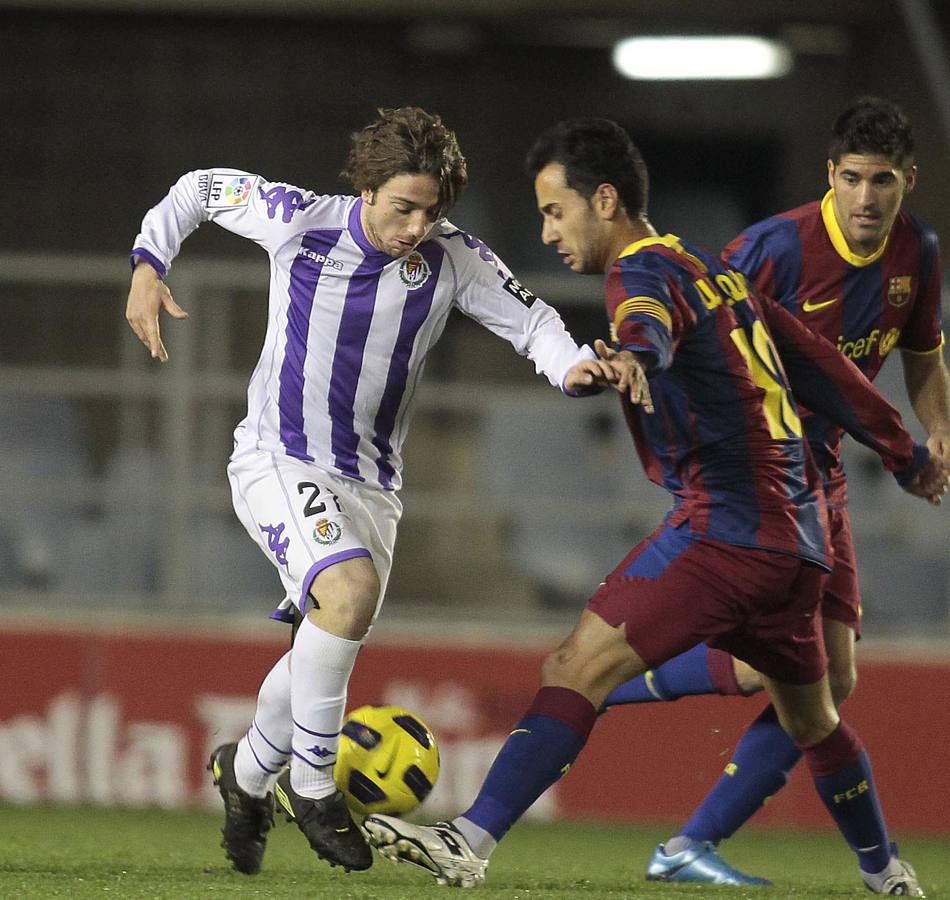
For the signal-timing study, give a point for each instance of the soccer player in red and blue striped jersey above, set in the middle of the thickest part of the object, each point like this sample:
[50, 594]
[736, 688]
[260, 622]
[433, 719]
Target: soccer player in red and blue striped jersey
[865, 274]
[738, 562]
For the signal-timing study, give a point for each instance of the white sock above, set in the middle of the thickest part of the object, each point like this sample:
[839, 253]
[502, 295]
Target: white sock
[265, 749]
[321, 664]
[481, 842]
[875, 880]
[675, 844]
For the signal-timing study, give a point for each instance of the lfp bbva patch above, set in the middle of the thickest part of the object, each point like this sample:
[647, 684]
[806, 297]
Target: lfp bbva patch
[414, 271]
[227, 189]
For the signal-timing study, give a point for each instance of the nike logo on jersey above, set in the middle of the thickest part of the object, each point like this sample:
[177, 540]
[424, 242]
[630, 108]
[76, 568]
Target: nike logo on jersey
[808, 306]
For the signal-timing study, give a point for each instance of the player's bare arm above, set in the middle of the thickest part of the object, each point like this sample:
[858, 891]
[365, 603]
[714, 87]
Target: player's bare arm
[928, 387]
[148, 296]
[630, 374]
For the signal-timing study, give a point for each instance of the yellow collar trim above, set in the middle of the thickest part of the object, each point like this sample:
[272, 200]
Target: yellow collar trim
[839, 241]
[667, 240]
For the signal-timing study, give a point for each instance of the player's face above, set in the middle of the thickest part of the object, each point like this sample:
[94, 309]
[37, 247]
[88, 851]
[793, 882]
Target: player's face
[399, 214]
[869, 189]
[569, 221]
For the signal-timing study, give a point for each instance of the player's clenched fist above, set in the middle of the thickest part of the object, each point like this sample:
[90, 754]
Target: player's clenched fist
[147, 297]
[932, 482]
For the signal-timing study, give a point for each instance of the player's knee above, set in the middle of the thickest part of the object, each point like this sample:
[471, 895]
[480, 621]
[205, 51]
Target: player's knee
[842, 682]
[345, 598]
[807, 731]
[748, 679]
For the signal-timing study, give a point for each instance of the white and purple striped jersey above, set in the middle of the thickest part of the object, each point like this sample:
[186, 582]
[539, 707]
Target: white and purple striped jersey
[349, 326]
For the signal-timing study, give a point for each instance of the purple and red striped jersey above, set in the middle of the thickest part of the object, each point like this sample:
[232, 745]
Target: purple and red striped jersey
[866, 306]
[725, 437]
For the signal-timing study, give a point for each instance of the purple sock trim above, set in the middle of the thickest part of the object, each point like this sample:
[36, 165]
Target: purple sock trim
[722, 672]
[567, 706]
[250, 747]
[316, 733]
[840, 749]
[273, 747]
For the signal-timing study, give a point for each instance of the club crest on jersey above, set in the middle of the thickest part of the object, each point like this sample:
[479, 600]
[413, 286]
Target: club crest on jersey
[326, 532]
[414, 271]
[899, 289]
[228, 190]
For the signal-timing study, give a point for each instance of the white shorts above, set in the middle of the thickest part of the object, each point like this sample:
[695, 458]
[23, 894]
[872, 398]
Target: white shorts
[306, 519]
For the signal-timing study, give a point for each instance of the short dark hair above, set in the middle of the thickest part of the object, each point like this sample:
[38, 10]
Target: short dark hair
[871, 125]
[594, 152]
[407, 141]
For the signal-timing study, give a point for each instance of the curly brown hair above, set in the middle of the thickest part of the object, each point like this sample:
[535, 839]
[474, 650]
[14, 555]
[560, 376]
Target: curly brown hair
[407, 141]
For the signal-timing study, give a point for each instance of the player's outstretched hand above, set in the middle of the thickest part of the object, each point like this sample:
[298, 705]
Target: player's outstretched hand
[148, 296]
[631, 377]
[589, 376]
[931, 482]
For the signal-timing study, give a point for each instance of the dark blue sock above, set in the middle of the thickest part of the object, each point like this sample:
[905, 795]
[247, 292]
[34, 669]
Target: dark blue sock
[537, 753]
[842, 774]
[700, 670]
[759, 767]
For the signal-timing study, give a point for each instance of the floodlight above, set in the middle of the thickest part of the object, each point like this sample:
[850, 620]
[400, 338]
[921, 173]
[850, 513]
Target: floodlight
[681, 58]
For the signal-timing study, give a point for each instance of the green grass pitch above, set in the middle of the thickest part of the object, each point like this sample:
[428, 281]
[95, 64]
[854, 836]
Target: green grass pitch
[80, 853]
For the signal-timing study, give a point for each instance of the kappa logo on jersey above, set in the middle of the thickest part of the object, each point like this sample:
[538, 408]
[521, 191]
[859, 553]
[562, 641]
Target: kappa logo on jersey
[277, 546]
[899, 289]
[226, 191]
[325, 261]
[286, 201]
[414, 271]
[326, 532]
[517, 289]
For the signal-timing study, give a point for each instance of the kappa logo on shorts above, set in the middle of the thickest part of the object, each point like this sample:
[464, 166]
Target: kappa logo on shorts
[414, 271]
[228, 190]
[326, 531]
[277, 546]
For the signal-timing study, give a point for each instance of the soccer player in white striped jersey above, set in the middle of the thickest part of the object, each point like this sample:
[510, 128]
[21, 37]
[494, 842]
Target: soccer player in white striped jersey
[360, 290]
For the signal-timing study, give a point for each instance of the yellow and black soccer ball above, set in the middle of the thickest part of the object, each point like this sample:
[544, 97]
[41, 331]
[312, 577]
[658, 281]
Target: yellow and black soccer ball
[387, 762]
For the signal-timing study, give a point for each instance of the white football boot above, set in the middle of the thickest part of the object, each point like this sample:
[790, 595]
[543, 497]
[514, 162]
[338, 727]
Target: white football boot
[440, 849]
[898, 879]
